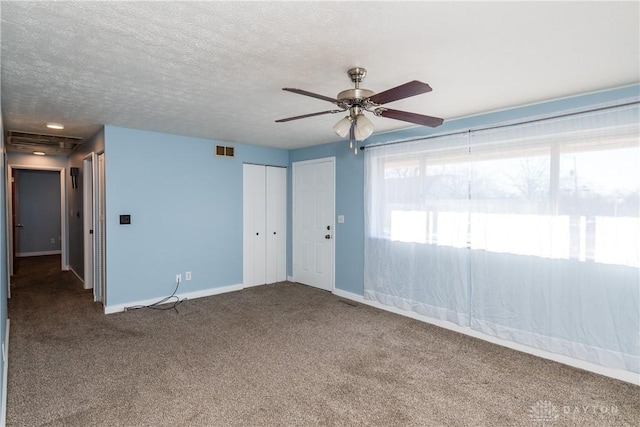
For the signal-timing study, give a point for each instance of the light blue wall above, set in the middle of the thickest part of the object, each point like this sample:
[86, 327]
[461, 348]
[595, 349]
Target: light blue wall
[349, 243]
[94, 144]
[38, 200]
[186, 212]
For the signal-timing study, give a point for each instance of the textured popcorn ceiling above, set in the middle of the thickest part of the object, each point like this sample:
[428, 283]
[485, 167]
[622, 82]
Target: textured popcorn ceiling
[215, 69]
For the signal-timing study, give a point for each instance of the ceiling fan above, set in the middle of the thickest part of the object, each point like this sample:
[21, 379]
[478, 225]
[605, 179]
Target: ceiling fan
[356, 101]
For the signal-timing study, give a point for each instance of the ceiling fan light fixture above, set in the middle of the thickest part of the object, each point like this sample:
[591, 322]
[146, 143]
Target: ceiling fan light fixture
[364, 127]
[342, 127]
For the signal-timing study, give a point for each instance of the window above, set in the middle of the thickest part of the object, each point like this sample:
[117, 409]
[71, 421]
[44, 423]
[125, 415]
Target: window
[551, 197]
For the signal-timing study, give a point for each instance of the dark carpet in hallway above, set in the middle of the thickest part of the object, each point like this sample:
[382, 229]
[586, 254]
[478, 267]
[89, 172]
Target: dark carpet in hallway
[283, 354]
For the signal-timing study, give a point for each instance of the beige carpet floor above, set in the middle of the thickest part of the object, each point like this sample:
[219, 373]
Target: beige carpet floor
[276, 355]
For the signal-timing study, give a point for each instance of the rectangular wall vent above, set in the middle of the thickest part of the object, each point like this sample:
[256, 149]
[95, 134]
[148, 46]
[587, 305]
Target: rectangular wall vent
[221, 150]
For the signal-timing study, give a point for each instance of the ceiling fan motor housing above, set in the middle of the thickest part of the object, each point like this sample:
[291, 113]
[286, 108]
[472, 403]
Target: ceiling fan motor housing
[353, 96]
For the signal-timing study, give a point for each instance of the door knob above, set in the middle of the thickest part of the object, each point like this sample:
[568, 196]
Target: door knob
[327, 236]
[19, 226]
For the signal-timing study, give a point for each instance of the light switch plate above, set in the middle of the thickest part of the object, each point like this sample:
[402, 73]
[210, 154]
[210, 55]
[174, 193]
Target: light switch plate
[340, 219]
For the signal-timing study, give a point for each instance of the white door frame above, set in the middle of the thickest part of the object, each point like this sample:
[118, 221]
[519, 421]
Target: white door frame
[100, 232]
[89, 218]
[8, 225]
[64, 244]
[332, 160]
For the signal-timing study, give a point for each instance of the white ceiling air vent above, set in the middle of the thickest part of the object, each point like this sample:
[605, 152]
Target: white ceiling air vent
[223, 151]
[23, 142]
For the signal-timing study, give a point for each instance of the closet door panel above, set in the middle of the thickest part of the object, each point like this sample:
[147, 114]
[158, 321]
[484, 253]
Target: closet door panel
[276, 220]
[254, 223]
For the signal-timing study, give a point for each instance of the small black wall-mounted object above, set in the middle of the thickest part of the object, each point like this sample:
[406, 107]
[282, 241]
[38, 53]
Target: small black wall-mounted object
[125, 219]
[74, 177]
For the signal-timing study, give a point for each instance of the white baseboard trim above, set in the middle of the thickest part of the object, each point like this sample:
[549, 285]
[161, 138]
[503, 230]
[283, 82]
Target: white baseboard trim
[618, 374]
[41, 253]
[253, 286]
[109, 309]
[5, 373]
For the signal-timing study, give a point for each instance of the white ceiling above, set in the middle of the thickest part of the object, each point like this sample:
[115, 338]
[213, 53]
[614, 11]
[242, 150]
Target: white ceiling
[215, 69]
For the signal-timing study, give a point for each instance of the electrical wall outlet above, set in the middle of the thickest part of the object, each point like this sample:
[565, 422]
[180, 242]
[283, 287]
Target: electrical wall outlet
[187, 275]
[178, 278]
[53, 240]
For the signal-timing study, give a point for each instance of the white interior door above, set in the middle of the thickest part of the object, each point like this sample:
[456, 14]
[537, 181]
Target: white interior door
[89, 221]
[254, 225]
[313, 224]
[276, 224]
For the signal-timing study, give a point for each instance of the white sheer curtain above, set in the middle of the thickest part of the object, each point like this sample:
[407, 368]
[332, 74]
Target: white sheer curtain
[527, 232]
[415, 256]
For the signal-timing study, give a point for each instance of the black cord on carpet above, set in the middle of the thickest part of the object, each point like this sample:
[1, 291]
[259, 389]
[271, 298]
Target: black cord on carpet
[155, 305]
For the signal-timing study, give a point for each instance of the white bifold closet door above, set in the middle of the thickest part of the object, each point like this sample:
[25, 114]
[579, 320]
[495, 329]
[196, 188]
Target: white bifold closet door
[264, 224]
[276, 249]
